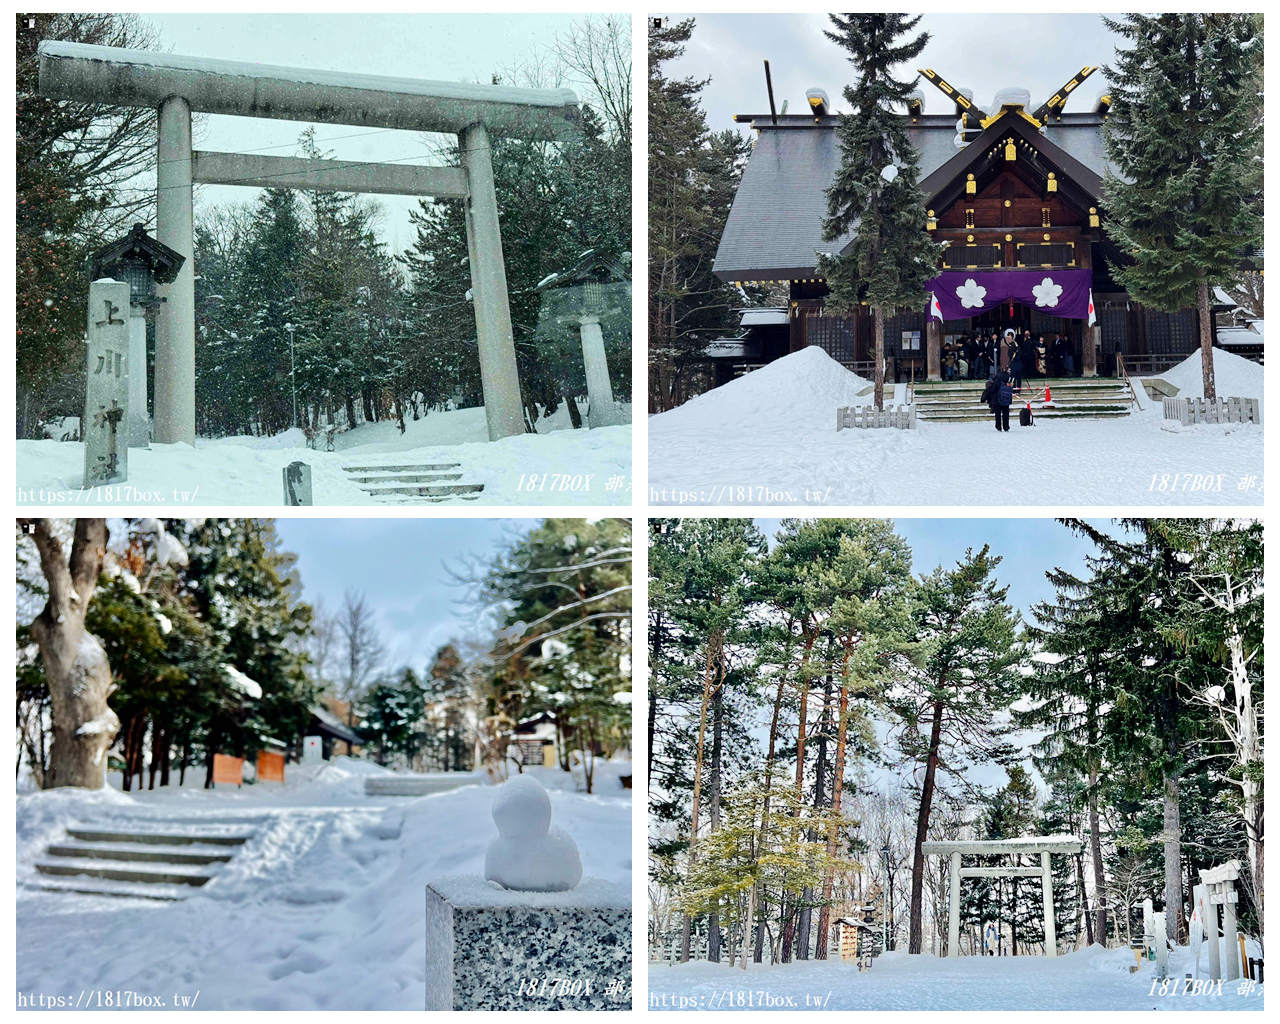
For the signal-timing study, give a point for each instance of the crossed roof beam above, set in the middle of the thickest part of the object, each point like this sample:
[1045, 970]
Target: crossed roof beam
[969, 110]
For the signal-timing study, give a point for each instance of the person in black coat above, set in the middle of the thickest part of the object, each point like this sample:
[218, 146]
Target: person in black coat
[998, 394]
[1030, 356]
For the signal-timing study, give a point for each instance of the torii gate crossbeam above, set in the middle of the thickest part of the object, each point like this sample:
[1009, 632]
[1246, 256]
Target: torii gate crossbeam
[177, 86]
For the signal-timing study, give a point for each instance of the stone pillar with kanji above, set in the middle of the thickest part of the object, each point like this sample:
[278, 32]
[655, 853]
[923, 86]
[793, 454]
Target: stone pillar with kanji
[106, 393]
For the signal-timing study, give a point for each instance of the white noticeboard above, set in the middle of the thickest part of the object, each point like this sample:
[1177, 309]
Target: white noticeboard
[312, 749]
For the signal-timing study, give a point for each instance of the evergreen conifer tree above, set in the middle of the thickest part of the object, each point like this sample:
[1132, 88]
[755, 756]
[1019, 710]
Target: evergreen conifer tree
[1184, 136]
[875, 201]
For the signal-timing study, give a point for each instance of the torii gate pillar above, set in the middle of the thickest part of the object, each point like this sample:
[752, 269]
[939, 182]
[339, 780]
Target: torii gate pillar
[499, 377]
[175, 387]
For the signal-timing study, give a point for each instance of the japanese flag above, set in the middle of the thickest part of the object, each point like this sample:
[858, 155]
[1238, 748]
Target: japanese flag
[1093, 317]
[935, 308]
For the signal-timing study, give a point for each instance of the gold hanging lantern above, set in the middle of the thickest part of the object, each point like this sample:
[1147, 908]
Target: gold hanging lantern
[932, 223]
[1053, 183]
[971, 186]
[1093, 217]
[1010, 150]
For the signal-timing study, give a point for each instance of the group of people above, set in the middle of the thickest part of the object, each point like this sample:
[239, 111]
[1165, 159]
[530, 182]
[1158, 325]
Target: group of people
[977, 356]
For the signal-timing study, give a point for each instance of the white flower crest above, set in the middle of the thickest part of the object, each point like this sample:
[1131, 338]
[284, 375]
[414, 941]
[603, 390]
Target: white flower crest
[1047, 292]
[971, 293]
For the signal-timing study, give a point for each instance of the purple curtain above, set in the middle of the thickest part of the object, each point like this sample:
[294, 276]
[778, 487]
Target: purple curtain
[966, 293]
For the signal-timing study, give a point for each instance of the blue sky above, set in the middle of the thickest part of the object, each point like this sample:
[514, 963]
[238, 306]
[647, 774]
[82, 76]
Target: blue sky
[401, 566]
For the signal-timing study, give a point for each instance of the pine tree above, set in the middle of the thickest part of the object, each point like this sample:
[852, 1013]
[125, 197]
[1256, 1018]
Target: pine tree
[875, 196]
[1184, 136]
[951, 706]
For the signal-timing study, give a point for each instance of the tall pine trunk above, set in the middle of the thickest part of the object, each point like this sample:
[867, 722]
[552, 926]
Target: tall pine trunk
[878, 318]
[1206, 339]
[915, 922]
[837, 790]
[819, 801]
[717, 727]
[1172, 855]
[686, 930]
[1095, 854]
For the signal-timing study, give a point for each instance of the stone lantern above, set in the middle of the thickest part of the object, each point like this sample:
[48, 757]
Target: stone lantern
[592, 288]
[141, 262]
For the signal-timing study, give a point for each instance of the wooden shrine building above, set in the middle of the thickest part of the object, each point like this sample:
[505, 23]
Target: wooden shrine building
[1015, 196]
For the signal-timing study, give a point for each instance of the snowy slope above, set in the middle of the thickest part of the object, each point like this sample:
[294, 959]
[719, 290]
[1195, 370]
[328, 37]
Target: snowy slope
[247, 470]
[1089, 979]
[804, 387]
[770, 438]
[1234, 376]
[322, 909]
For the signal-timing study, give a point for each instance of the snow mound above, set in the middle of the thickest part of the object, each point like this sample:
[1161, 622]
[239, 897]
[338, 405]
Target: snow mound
[1234, 376]
[804, 388]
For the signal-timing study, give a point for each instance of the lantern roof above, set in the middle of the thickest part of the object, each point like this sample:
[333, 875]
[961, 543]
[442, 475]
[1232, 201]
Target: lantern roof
[163, 262]
[593, 267]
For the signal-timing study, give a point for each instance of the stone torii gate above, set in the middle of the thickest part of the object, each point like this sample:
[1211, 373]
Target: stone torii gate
[177, 86]
[954, 849]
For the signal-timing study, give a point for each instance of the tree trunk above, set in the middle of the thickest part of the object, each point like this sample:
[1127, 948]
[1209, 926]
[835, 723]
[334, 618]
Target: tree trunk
[746, 926]
[1172, 855]
[1084, 913]
[1206, 339]
[915, 929]
[697, 780]
[878, 318]
[837, 791]
[76, 668]
[1099, 929]
[717, 730]
[819, 801]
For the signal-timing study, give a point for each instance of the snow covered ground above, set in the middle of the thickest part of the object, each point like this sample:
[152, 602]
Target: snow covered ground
[555, 466]
[322, 909]
[769, 438]
[1088, 979]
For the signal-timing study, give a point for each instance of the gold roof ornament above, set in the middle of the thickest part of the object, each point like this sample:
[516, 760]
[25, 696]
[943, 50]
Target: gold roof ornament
[971, 186]
[1052, 185]
[1010, 150]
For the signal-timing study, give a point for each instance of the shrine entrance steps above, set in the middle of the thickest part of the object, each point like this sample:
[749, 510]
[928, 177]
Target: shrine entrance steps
[1071, 398]
[155, 859]
[413, 484]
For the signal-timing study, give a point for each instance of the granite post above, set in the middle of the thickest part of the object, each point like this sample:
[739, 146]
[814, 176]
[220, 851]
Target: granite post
[490, 948]
[106, 393]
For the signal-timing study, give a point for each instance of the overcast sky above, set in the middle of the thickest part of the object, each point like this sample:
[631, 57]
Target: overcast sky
[976, 51]
[402, 568]
[442, 47]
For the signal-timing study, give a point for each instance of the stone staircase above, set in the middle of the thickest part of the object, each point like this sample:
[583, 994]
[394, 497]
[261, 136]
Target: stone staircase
[157, 859]
[1072, 398]
[404, 484]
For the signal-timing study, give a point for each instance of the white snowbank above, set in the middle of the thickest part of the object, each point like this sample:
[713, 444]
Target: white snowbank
[553, 467]
[769, 438]
[1234, 376]
[1088, 979]
[803, 388]
[249, 687]
[323, 909]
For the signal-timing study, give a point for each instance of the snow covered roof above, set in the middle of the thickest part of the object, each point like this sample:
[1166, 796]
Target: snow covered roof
[774, 228]
[760, 317]
[334, 725]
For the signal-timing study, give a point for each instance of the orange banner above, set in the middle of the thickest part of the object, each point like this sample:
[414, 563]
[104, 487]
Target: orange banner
[270, 766]
[228, 769]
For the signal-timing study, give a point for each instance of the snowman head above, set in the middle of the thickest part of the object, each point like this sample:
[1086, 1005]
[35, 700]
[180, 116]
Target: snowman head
[522, 809]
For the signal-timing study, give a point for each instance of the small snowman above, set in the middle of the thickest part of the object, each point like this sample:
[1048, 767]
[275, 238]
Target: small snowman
[528, 854]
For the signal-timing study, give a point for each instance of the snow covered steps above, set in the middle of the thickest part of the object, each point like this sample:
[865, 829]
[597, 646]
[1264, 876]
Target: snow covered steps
[434, 482]
[1071, 398]
[163, 860]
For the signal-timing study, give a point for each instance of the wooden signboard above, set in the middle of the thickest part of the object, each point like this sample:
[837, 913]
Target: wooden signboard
[270, 766]
[228, 769]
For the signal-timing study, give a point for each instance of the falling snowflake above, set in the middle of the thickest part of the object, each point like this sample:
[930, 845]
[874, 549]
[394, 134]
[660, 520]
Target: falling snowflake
[1047, 292]
[971, 293]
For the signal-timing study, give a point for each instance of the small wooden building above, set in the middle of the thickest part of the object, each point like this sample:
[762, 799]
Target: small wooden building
[1014, 194]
